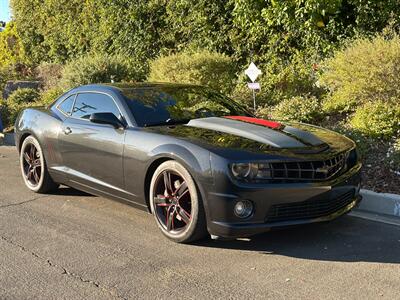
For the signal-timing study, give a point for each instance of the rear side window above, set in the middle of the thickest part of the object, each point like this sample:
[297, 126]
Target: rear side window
[89, 103]
[66, 105]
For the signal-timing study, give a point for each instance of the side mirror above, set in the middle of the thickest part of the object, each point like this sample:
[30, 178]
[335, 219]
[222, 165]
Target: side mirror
[106, 118]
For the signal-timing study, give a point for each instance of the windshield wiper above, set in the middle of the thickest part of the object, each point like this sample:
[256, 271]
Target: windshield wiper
[167, 122]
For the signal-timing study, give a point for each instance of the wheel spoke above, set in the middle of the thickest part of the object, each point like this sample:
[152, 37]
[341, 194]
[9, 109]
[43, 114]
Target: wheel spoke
[35, 175]
[30, 173]
[185, 216]
[26, 157]
[167, 182]
[170, 218]
[181, 190]
[161, 200]
[32, 153]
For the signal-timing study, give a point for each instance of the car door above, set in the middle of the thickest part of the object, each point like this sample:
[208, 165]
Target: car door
[92, 153]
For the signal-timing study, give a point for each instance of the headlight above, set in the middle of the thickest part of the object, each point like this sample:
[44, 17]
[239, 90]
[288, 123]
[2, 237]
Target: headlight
[245, 171]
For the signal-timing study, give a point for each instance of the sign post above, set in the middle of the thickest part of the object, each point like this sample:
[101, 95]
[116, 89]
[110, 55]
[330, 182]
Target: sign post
[253, 72]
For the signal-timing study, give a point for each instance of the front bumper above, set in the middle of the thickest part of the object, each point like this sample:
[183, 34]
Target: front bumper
[280, 205]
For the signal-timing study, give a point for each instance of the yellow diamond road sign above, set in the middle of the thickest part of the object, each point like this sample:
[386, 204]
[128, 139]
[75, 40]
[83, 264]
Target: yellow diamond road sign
[253, 72]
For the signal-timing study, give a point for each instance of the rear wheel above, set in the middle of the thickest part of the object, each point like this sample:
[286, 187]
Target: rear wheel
[176, 204]
[33, 167]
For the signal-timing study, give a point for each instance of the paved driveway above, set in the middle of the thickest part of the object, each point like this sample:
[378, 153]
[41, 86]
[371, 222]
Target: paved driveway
[73, 245]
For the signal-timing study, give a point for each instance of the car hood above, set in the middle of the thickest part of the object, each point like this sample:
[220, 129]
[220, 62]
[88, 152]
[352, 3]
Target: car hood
[258, 135]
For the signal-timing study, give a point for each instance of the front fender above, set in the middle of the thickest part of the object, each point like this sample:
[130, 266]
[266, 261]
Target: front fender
[144, 151]
[199, 166]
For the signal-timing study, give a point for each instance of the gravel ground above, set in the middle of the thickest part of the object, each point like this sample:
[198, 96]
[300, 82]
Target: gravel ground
[377, 176]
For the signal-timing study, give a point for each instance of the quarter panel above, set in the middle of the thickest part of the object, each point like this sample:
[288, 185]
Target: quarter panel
[45, 126]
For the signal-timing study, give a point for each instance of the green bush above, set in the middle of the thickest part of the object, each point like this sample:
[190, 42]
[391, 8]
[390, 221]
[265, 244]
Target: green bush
[205, 68]
[367, 70]
[377, 119]
[301, 109]
[48, 96]
[96, 68]
[24, 95]
[282, 79]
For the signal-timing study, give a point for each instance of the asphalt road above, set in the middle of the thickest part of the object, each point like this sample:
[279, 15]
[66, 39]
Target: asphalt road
[71, 245]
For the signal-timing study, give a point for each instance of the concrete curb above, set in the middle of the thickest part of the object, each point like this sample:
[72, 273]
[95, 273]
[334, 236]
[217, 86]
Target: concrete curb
[383, 207]
[381, 203]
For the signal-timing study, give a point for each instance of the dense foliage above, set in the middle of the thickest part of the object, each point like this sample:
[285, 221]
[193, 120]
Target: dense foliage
[95, 68]
[11, 48]
[377, 119]
[48, 96]
[367, 70]
[301, 109]
[23, 95]
[286, 39]
[204, 68]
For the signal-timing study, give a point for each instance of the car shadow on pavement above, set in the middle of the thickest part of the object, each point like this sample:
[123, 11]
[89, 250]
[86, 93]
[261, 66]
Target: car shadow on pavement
[347, 239]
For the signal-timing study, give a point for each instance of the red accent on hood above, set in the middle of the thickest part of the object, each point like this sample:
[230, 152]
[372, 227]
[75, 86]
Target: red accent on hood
[266, 123]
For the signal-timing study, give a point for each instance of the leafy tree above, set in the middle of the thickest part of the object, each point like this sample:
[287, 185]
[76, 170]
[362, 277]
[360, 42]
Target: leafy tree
[199, 24]
[12, 51]
[286, 39]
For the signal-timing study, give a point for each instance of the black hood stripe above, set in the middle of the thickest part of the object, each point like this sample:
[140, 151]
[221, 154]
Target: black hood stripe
[250, 131]
[282, 137]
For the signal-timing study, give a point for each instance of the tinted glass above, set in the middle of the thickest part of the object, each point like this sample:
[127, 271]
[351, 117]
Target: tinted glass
[66, 105]
[158, 105]
[89, 103]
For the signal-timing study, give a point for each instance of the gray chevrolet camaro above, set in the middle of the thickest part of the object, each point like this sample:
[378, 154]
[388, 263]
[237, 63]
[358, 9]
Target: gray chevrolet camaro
[198, 161]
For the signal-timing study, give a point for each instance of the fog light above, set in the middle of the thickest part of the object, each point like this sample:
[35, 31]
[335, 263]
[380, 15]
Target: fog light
[243, 209]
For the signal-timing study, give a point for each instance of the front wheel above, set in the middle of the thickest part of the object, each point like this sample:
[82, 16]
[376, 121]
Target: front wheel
[176, 204]
[33, 167]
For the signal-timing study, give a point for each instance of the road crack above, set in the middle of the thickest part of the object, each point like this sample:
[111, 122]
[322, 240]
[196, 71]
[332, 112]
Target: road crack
[64, 271]
[23, 202]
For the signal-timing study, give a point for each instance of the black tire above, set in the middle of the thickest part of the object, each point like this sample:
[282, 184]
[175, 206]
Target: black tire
[177, 206]
[33, 167]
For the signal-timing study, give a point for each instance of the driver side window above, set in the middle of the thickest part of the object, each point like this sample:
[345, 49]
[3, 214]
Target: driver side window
[89, 103]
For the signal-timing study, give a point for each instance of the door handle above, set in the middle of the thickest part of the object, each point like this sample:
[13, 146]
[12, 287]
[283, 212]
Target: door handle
[67, 131]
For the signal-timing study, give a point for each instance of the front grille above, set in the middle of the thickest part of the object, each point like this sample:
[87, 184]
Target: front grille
[308, 209]
[307, 170]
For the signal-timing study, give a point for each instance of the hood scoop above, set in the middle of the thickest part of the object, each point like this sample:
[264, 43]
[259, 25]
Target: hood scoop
[267, 132]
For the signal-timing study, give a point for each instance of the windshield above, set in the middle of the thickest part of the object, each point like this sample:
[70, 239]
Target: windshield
[153, 106]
